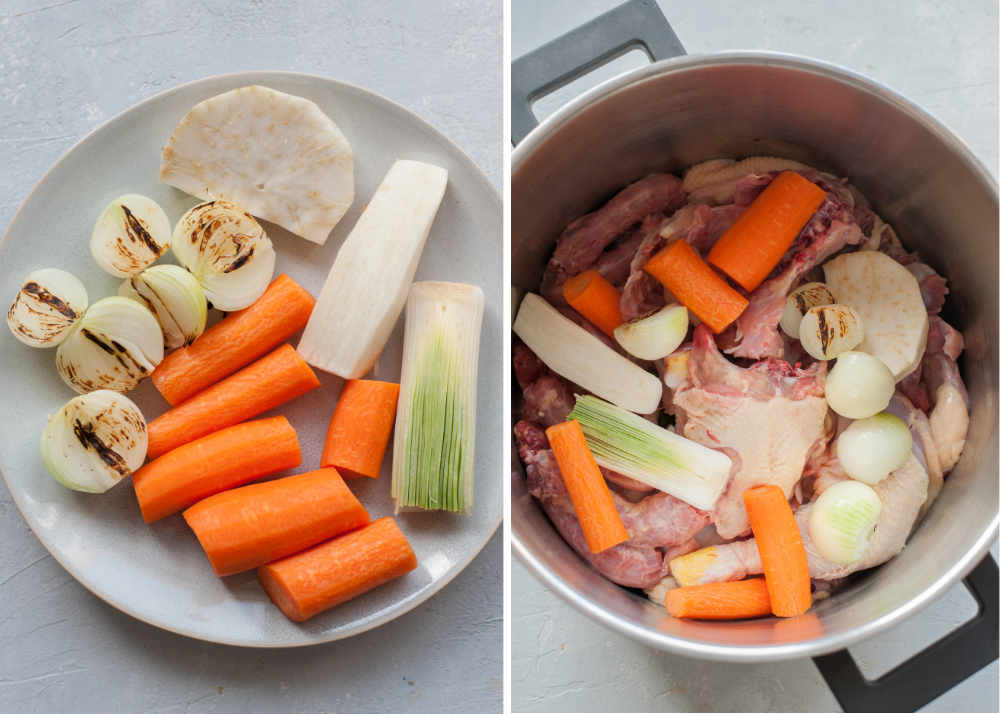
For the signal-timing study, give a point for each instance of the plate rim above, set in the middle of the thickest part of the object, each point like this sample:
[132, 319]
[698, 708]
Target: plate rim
[440, 582]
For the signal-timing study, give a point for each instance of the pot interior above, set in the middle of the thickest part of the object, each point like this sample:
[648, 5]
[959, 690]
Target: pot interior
[917, 176]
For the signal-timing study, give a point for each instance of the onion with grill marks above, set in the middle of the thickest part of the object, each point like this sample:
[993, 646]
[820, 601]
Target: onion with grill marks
[45, 309]
[131, 233]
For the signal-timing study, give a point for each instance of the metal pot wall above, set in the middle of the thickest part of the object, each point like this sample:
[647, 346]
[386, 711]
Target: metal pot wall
[918, 176]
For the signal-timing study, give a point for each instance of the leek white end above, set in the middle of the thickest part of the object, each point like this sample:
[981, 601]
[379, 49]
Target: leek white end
[843, 520]
[572, 352]
[433, 460]
[638, 448]
[94, 441]
[367, 286]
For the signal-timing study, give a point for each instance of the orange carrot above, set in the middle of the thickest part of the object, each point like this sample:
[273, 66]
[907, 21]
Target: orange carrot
[720, 601]
[268, 382]
[360, 428]
[601, 524]
[754, 244]
[591, 295]
[696, 285]
[779, 542]
[328, 574]
[224, 459]
[256, 524]
[238, 340]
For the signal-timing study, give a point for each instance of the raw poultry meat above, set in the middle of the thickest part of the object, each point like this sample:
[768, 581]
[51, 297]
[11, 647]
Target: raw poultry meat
[767, 418]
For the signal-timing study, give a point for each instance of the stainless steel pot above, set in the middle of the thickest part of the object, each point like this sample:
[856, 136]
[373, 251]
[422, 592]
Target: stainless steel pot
[919, 177]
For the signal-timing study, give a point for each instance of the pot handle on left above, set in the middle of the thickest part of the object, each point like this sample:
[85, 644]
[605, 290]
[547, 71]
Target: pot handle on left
[634, 24]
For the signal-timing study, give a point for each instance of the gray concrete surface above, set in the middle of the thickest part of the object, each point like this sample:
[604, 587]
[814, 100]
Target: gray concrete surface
[65, 67]
[942, 55]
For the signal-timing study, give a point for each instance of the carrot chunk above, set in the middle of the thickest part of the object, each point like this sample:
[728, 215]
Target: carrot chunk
[720, 601]
[224, 459]
[360, 428]
[751, 247]
[247, 527]
[265, 384]
[786, 568]
[591, 295]
[601, 524]
[328, 574]
[238, 340]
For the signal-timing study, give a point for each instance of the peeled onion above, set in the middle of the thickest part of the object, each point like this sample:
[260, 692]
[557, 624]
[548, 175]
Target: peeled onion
[827, 331]
[131, 233]
[94, 441]
[842, 521]
[859, 385]
[655, 336]
[116, 344]
[48, 305]
[227, 251]
[799, 302]
[871, 449]
[174, 296]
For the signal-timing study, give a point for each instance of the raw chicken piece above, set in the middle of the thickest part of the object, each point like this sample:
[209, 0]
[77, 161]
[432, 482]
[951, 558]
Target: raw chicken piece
[583, 240]
[933, 288]
[547, 400]
[768, 418]
[901, 493]
[615, 263]
[949, 416]
[924, 445]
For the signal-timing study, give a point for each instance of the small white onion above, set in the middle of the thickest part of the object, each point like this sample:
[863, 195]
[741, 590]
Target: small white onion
[227, 251]
[827, 331]
[799, 302]
[46, 307]
[859, 385]
[131, 233]
[94, 441]
[871, 449]
[176, 299]
[842, 521]
[116, 344]
[655, 336]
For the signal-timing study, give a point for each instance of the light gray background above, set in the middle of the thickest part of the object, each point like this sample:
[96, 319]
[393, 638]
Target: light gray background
[942, 55]
[65, 67]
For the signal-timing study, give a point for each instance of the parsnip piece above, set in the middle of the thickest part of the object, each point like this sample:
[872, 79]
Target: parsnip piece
[370, 278]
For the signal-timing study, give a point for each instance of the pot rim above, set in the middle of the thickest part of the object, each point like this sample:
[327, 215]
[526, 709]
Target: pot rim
[826, 643]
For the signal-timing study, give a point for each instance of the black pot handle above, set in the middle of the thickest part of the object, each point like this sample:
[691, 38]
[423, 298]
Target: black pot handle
[634, 24]
[932, 671]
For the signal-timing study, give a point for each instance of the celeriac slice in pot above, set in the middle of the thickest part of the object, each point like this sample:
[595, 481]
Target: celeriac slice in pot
[887, 297]
[130, 234]
[277, 155]
[45, 309]
[94, 441]
[368, 284]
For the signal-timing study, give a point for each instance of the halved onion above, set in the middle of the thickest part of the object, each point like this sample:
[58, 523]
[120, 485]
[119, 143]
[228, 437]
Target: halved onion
[227, 251]
[826, 331]
[46, 307]
[94, 441]
[116, 344]
[799, 302]
[655, 336]
[176, 299]
[871, 449]
[130, 234]
[859, 385]
[842, 521]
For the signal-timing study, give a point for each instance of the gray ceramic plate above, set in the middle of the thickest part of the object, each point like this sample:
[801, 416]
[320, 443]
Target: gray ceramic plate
[158, 573]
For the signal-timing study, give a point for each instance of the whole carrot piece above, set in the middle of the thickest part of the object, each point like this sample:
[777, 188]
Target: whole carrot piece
[247, 527]
[268, 382]
[699, 288]
[591, 295]
[755, 243]
[328, 574]
[782, 555]
[236, 341]
[360, 428]
[223, 459]
[595, 509]
[734, 600]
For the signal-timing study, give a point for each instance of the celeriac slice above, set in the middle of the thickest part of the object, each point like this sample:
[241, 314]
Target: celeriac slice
[434, 448]
[277, 155]
[887, 297]
[572, 352]
[370, 278]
